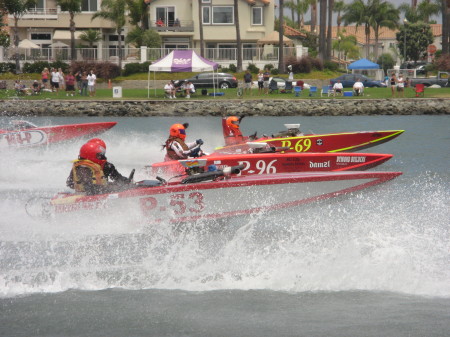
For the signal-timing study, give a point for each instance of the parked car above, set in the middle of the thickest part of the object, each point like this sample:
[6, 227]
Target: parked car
[441, 79]
[348, 80]
[205, 80]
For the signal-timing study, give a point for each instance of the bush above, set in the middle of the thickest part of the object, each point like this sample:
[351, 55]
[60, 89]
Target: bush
[232, 68]
[7, 67]
[35, 67]
[132, 68]
[316, 63]
[443, 62]
[59, 64]
[274, 71]
[268, 66]
[252, 68]
[303, 65]
[105, 70]
[331, 65]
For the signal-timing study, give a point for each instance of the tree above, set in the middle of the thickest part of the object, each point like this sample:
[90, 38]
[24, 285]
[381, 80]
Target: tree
[17, 8]
[138, 13]
[293, 7]
[347, 45]
[386, 15]
[323, 24]
[148, 38]
[330, 26]
[445, 11]
[200, 23]
[114, 11]
[418, 37]
[386, 61]
[422, 12]
[73, 7]
[338, 8]
[280, 41]
[313, 15]
[238, 35]
[91, 36]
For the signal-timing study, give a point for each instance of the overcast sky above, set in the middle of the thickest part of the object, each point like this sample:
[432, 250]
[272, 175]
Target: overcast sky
[396, 3]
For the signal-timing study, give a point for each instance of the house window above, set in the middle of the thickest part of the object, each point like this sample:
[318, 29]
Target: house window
[40, 6]
[257, 18]
[206, 15]
[166, 14]
[222, 15]
[41, 36]
[206, 1]
[89, 5]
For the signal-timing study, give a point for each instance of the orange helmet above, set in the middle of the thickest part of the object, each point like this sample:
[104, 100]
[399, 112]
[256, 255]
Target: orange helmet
[98, 141]
[233, 122]
[178, 131]
[93, 152]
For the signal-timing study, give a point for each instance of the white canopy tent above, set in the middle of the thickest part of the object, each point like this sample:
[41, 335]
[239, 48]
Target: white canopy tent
[181, 61]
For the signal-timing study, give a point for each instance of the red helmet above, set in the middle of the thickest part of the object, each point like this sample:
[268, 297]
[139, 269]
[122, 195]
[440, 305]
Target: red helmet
[93, 152]
[233, 122]
[178, 131]
[98, 141]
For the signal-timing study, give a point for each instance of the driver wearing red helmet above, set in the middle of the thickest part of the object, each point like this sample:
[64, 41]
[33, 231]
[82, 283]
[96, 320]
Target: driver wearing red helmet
[233, 134]
[89, 171]
[176, 147]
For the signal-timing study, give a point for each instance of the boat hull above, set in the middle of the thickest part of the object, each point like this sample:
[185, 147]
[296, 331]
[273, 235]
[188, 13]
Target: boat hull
[219, 199]
[51, 134]
[271, 163]
[336, 142]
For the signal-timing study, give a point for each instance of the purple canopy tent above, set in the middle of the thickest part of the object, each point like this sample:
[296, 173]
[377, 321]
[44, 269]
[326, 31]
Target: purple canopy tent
[181, 61]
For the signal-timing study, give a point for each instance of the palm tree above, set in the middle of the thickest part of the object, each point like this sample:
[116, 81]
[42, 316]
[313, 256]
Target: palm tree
[323, 25]
[361, 14]
[114, 11]
[238, 35]
[200, 23]
[138, 13]
[386, 15]
[338, 8]
[313, 15]
[293, 7]
[280, 41]
[91, 36]
[445, 11]
[73, 7]
[427, 9]
[17, 8]
[330, 26]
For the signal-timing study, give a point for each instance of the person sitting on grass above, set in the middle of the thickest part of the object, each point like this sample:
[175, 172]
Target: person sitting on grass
[337, 87]
[189, 89]
[358, 88]
[170, 90]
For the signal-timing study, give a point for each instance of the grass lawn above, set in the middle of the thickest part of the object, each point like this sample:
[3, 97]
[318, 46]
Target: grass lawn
[141, 94]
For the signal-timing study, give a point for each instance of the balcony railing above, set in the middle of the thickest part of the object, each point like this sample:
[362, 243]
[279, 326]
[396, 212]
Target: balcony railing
[173, 26]
[41, 14]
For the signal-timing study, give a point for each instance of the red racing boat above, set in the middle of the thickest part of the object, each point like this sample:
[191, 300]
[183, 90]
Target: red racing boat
[293, 140]
[270, 163]
[26, 134]
[209, 196]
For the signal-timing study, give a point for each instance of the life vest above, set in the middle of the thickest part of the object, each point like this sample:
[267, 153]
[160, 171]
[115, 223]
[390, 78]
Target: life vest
[98, 177]
[234, 137]
[170, 152]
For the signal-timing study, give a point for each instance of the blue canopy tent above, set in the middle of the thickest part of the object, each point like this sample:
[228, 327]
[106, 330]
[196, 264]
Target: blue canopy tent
[366, 67]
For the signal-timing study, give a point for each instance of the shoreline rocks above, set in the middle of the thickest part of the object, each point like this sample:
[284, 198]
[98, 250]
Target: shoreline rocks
[183, 107]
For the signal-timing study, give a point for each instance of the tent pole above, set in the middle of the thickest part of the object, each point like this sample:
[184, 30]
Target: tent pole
[154, 81]
[148, 84]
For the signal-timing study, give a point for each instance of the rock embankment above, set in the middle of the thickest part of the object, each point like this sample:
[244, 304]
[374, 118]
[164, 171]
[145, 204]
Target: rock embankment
[328, 107]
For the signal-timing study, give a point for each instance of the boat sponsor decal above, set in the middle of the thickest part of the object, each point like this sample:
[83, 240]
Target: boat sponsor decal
[23, 138]
[302, 145]
[192, 163]
[260, 167]
[319, 141]
[350, 159]
[88, 205]
[217, 162]
[324, 164]
[180, 204]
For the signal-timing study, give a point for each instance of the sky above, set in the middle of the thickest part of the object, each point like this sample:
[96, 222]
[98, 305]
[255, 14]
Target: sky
[396, 3]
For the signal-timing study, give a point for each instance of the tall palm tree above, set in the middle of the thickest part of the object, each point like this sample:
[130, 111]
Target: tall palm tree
[17, 8]
[200, 23]
[114, 11]
[323, 25]
[386, 15]
[427, 9]
[329, 30]
[313, 15]
[238, 35]
[361, 14]
[293, 7]
[138, 13]
[73, 7]
[280, 41]
[338, 8]
[445, 12]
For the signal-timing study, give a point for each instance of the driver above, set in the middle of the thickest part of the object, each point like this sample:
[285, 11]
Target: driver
[234, 135]
[176, 147]
[90, 172]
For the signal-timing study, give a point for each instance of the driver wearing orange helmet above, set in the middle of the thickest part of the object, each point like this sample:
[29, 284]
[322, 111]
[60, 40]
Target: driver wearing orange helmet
[88, 173]
[177, 148]
[233, 134]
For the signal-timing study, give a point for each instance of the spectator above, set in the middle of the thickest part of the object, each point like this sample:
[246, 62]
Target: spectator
[358, 87]
[170, 90]
[21, 88]
[160, 23]
[84, 83]
[44, 77]
[291, 74]
[260, 82]
[61, 79]
[92, 79]
[36, 87]
[400, 86]
[78, 75]
[70, 84]
[189, 89]
[337, 87]
[248, 82]
[177, 23]
[55, 77]
[393, 81]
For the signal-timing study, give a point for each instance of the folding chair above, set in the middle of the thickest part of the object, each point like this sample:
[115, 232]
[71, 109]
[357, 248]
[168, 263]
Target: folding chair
[419, 90]
[312, 91]
[297, 91]
[326, 90]
[273, 86]
[288, 88]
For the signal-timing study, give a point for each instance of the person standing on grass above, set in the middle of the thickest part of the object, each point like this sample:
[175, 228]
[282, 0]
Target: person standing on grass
[266, 78]
[61, 79]
[78, 80]
[91, 83]
[400, 86]
[84, 84]
[44, 77]
[248, 82]
[55, 80]
[260, 82]
[70, 84]
[393, 81]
